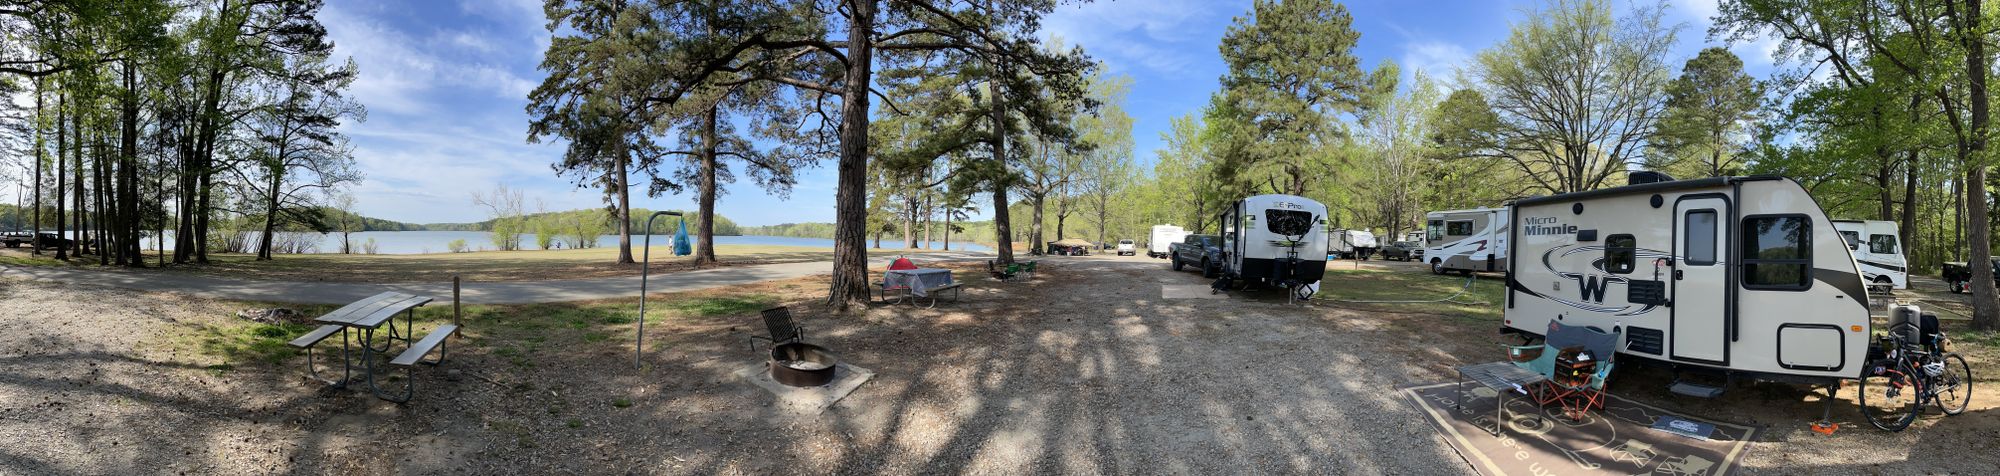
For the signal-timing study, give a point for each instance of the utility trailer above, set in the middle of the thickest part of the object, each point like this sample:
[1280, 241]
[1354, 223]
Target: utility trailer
[1741, 276]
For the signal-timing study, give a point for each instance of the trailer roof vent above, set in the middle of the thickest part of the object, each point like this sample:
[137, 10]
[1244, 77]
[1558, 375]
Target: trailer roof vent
[1647, 176]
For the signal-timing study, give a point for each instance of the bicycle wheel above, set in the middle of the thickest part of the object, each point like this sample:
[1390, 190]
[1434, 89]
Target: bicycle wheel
[1889, 396]
[1953, 390]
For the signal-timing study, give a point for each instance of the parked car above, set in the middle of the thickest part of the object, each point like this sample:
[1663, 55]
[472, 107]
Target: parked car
[1403, 251]
[1127, 248]
[1199, 250]
[47, 240]
[1958, 277]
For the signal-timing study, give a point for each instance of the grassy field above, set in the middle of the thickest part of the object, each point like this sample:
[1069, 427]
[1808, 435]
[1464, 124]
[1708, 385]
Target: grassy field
[487, 266]
[1356, 288]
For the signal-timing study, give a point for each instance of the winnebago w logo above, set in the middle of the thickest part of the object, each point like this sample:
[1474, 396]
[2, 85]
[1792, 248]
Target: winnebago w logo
[1592, 281]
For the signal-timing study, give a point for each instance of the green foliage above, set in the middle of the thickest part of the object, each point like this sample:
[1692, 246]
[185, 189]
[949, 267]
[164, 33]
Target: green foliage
[1292, 75]
[1706, 111]
[458, 246]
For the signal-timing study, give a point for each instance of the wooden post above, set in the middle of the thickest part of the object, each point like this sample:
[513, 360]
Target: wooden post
[455, 313]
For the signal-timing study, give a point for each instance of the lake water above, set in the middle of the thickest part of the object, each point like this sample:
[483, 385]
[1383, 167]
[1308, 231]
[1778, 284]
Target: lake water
[416, 242]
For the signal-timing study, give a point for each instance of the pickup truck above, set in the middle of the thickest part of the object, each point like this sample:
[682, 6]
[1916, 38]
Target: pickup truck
[1958, 277]
[1403, 251]
[1199, 250]
[48, 240]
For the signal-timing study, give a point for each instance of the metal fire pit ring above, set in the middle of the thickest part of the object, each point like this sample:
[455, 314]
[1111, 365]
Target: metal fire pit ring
[799, 364]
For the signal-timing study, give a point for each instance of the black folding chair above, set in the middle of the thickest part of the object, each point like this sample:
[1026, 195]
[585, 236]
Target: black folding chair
[778, 321]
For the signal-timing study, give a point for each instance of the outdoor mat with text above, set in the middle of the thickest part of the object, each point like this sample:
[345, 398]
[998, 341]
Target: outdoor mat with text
[1625, 437]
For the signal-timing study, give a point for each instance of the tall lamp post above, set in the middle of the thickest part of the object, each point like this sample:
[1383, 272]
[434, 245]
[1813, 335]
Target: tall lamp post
[645, 266]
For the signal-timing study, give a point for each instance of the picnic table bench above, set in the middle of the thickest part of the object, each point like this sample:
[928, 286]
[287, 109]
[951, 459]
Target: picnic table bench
[365, 317]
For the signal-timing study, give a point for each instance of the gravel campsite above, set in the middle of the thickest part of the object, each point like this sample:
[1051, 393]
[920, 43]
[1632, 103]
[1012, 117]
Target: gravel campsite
[1082, 368]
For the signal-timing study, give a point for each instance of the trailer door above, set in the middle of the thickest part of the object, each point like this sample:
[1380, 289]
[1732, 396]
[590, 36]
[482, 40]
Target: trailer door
[1701, 281]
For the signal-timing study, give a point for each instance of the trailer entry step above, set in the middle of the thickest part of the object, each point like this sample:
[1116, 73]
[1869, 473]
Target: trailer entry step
[1695, 389]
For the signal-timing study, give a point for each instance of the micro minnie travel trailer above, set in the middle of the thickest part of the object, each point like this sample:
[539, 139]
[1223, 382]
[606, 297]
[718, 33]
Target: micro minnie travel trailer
[1877, 250]
[1276, 240]
[1466, 240]
[1742, 275]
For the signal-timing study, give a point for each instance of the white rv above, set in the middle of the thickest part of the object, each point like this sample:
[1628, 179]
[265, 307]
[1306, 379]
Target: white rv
[1414, 236]
[1741, 275]
[1276, 240]
[1466, 240]
[1877, 249]
[1162, 242]
[1351, 244]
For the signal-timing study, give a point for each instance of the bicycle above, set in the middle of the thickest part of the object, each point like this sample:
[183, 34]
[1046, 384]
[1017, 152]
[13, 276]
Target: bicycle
[1914, 370]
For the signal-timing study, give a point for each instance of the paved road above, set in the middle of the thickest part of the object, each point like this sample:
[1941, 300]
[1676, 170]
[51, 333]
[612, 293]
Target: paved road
[519, 292]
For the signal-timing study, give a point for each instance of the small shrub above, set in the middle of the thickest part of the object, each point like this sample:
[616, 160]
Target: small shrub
[457, 246]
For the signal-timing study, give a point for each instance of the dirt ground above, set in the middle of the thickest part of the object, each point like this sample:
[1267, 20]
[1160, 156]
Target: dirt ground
[1081, 369]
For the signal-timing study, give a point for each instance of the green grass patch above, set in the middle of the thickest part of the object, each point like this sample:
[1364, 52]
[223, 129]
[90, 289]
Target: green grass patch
[1346, 287]
[596, 337]
[249, 342]
[720, 306]
[622, 403]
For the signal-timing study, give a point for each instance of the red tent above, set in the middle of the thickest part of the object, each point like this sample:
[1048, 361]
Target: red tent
[902, 263]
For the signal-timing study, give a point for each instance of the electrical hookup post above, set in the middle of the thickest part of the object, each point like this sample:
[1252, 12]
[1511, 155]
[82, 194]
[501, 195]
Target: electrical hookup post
[645, 268]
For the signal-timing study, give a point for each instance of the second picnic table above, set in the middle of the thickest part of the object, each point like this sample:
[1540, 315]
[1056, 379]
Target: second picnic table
[919, 283]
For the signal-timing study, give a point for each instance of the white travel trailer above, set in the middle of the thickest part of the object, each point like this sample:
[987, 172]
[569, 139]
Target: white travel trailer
[1276, 240]
[1162, 242]
[1466, 240]
[1877, 250]
[1414, 236]
[1351, 244]
[1743, 276]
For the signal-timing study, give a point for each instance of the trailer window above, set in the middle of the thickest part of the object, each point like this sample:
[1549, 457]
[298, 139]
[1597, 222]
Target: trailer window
[1619, 252]
[1777, 252]
[1699, 238]
[1882, 244]
[1435, 230]
[1853, 239]
[1458, 228]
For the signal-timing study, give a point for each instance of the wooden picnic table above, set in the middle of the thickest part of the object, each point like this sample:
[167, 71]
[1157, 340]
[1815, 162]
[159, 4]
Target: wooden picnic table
[368, 315]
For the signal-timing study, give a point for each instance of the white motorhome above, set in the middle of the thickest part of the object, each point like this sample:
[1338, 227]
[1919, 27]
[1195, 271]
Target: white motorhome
[1466, 240]
[1162, 242]
[1275, 240]
[1878, 250]
[1351, 244]
[1741, 275]
[1414, 236]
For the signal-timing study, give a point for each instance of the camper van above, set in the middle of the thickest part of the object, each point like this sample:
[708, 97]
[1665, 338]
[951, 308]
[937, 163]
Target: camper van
[1162, 242]
[1275, 240]
[1745, 276]
[1877, 249]
[1351, 244]
[1466, 240]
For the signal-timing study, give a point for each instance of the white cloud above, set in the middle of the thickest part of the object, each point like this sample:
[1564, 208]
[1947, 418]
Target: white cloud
[1438, 59]
[1155, 34]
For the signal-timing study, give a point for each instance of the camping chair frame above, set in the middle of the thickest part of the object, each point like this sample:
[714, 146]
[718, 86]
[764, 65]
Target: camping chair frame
[778, 321]
[1575, 399]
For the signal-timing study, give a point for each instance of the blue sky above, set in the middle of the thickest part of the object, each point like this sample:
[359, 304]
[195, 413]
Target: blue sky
[446, 82]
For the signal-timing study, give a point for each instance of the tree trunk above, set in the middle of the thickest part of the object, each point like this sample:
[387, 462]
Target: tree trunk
[1884, 176]
[1958, 219]
[1985, 306]
[850, 252]
[623, 209]
[1003, 229]
[909, 217]
[271, 212]
[62, 176]
[1909, 226]
[705, 237]
[929, 213]
[35, 240]
[947, 230]
[128, 177]
[1035, 238]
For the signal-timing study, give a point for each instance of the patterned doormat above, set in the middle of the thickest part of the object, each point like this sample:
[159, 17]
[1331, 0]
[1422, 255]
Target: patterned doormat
[1624, 437]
